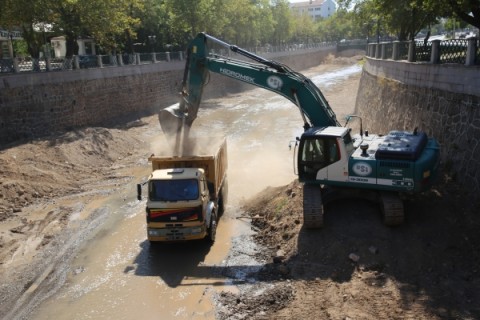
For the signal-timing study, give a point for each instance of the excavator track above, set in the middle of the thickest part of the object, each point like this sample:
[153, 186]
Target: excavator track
[312, 207]
[392, 209]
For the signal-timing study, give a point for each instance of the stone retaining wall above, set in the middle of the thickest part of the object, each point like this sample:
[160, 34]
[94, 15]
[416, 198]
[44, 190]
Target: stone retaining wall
[39, 104]
[398, 95]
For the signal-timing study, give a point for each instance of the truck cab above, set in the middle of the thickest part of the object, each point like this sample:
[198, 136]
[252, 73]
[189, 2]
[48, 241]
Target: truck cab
[179, 206]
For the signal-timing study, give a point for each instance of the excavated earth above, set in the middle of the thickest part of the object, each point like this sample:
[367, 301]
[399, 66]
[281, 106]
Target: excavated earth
[352, 268]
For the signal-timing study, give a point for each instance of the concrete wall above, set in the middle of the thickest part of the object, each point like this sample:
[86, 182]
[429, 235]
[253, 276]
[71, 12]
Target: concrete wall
[34, 105]
[442, 100]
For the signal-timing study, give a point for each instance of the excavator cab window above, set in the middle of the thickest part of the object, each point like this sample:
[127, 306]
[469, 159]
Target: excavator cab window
[347, 140]
[316, 153]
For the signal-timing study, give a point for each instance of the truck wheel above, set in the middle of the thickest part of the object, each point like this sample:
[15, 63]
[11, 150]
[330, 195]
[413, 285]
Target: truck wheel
[212, 228]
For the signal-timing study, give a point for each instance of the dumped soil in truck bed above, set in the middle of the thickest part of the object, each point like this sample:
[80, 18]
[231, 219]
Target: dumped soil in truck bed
[353, 268]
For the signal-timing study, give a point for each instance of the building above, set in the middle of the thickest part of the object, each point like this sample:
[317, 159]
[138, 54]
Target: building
[316, 9]
[86, 46]
[6, 47]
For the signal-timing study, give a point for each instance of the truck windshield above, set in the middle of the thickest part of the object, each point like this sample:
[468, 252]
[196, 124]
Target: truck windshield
[173, 190]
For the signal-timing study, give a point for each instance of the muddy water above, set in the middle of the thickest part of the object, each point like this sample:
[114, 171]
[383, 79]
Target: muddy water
[119, 276]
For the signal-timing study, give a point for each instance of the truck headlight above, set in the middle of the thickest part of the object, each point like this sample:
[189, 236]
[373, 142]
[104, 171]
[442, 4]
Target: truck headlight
[197, 230]
[153, 232]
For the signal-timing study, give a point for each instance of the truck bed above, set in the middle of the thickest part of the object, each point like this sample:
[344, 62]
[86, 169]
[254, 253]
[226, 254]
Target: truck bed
[211, 157]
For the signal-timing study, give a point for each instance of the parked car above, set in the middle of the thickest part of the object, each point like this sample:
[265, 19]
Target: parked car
[87, 61]
[6, 65]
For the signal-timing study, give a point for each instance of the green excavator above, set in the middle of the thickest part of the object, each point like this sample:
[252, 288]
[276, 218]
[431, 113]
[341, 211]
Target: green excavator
[330, 161]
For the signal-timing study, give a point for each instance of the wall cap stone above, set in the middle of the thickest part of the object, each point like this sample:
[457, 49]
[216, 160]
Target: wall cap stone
[447, 77]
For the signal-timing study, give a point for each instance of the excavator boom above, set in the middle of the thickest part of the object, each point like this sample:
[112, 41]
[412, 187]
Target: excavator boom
[260, 72]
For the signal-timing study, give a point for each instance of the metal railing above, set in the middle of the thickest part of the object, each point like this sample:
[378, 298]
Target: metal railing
[461, 51]
[423, 51]
[28, 64]
[454, 51]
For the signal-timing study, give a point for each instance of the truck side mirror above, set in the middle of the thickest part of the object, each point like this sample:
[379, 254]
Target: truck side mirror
[290, 144]
[139, 191]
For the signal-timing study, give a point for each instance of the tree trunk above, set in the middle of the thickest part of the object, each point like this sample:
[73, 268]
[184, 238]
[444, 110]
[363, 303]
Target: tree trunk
[32, 44]
[71, 44]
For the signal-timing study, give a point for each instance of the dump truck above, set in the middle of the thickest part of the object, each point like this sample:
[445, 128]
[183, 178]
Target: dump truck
[186, 194]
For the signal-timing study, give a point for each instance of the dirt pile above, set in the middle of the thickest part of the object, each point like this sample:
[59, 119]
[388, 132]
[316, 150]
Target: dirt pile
[50, 168]
[276, 215]
[356, 268]
[43, 184]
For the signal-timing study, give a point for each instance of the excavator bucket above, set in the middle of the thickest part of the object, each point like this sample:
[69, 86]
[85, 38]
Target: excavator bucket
[176, 124]
[172, 119]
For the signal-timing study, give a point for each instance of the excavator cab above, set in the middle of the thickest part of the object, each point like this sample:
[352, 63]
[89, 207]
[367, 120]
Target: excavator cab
[320, 148]
[314, 154]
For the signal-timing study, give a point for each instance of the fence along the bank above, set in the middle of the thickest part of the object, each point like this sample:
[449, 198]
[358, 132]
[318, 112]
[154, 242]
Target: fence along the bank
[29, 64]
[461, 51]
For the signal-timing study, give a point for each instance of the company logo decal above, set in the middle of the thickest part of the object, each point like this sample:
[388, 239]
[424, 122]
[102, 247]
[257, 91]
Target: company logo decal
[362, 169]
[237, 75]
[274, 82]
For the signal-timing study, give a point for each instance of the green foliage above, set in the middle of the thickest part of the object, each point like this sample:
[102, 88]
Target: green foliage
[25, 15]
[341, 25]
[20, 48]
[405, 18]
[169, 24]
[104, 20]
[283, 23]
[467, 11]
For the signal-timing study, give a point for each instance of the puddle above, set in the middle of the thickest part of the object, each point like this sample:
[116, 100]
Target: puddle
[327, 79]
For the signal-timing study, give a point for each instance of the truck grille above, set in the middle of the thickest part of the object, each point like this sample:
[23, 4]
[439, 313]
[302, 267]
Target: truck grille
[175, 215]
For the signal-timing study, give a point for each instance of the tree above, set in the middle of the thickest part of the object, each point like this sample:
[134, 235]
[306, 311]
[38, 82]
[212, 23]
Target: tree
[191, 17]
[240, 23]
[156, 22]
[283, 22]
[104, 20]
[467, 10]
[25, 15]
[405, 18]
[263, 23]
[303, 28]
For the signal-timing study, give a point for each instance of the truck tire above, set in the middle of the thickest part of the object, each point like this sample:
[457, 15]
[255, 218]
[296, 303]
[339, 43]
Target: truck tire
[212, 228]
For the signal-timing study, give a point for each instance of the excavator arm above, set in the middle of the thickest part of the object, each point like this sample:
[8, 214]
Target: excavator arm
[260, 72]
